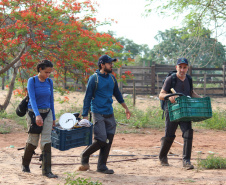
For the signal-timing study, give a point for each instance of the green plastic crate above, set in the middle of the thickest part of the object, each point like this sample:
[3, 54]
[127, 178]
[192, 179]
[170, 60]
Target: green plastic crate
[190, 109]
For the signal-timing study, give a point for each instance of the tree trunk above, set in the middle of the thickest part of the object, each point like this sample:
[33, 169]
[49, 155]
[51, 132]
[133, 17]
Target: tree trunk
[3, 82]
[11, 86]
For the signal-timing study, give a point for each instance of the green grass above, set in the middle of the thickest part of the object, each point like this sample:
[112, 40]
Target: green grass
[217, 122]
[4, 129]
[151, 118]
[72, 180]
[212, 162]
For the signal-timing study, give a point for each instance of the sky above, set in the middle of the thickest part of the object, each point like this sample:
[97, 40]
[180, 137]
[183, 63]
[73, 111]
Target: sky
[131, 24]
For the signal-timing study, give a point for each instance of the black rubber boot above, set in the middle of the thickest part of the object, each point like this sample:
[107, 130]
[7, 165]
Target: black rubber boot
[46, 162]
[103, 156]
[166, 143]
[188, 137]
[26, 159]
[96, 145]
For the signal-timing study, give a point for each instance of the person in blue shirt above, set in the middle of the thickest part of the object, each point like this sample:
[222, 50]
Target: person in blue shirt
[98, 97]
[40, 117]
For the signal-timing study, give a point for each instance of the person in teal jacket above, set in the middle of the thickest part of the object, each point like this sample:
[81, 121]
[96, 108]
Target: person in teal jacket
[100, 88]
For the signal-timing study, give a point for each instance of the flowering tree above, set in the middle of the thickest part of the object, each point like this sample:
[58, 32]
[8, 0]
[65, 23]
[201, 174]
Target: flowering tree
[63, 32]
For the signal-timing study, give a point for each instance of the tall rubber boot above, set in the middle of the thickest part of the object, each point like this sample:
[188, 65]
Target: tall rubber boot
[188, 137]
[103, 156]
[166, 143]
[46, 162]
[26, 159]
[96, 145]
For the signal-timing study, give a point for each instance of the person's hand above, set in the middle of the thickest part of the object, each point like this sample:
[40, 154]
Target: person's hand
[39, 120]
[128, 114]
[172, 99]
[86, 117]
[54, 123]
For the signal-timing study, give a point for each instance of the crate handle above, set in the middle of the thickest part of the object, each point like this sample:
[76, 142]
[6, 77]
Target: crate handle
[179, 94]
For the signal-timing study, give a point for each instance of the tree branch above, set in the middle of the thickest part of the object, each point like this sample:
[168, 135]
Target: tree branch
[6, 68]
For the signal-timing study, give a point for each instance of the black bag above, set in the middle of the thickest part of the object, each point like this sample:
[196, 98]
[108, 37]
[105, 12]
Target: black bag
[22, 107]
[34, 128]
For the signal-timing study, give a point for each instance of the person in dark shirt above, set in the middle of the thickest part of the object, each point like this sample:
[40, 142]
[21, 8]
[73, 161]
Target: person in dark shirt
[100, 100]
[40, 114]
[182, 86]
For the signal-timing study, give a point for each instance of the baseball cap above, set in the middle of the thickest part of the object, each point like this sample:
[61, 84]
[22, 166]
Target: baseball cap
[106, 59]
[182, 61]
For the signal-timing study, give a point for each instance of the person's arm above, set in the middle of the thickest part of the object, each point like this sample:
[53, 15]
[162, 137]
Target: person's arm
[52, 102]
[165, 89]
[119, 98]
[117, 94]
[163, 94]
[195, 95]
[32, 99]
[88, 96]
[31, 93]
[128, 114]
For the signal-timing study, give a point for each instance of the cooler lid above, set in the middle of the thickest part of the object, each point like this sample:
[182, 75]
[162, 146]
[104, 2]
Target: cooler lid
[67, 120]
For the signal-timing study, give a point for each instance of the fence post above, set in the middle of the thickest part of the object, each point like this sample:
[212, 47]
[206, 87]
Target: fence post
[223, 79]
[158, 83]
[190, 70]
[153, 79]
[134, 93]
[204, 85]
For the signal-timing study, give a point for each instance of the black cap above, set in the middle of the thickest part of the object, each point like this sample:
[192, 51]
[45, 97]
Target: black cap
[182, 61]
[106, 59]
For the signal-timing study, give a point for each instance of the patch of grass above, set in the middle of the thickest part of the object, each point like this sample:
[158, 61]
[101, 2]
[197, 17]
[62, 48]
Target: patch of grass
[218, 121]
[71, 180]
[151, 118]
[189, 180]
[212, 162]
[19, 120]
[4, 129]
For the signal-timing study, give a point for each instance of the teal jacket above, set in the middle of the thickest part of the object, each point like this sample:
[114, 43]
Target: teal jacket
[102, 102]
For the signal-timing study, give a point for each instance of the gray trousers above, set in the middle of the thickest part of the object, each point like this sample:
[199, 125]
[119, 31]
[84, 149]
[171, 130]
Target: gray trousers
[46, 131]
[103, 126]
[171, 127]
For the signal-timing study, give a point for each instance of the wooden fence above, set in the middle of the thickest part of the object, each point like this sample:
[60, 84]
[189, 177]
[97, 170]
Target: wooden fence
[148, 80]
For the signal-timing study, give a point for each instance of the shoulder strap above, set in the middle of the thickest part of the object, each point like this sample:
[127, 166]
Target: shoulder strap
[173, 80]
[96, 84]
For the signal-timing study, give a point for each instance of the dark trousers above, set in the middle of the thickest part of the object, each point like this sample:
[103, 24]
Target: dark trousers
[171, 127]
[103, 126]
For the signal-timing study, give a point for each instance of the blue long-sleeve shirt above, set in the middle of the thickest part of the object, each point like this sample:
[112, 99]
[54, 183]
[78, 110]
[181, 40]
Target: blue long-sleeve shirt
[102, 103]
[40, 95]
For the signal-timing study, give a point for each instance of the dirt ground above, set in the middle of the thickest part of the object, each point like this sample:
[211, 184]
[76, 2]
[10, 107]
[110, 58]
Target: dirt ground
[133, 156]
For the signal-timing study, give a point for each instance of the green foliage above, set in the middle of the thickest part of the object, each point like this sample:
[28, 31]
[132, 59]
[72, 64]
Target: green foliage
[212, 162]
[70, 180]
[196, 13]
[139, 53]
[200, 50]
[216, 122]
[151, 118]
